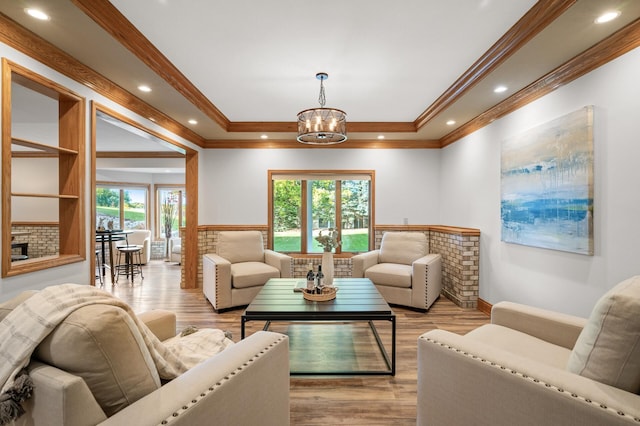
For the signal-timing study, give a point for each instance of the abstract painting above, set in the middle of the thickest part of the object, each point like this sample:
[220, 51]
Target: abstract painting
[547, 185]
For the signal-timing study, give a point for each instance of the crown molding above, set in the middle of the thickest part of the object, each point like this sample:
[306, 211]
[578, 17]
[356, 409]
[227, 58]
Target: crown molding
[294, 144]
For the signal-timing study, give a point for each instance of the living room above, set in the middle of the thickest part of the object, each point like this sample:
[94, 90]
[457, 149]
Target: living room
[456, 185]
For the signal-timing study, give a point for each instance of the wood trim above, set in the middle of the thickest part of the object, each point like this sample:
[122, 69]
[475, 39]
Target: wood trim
[352, 126]
[41, 50]
[455, 230]
[114, 23]
[35, 223]
[619, 43]
[42, 147]
[6, 165]
[191, 255]
[233, 228]
[31, 154]
[543, 13]
[484, 307]
[71, 168]
[41, 263]
[420, 228]
[293, 144]
[138, 154]
[33, 195]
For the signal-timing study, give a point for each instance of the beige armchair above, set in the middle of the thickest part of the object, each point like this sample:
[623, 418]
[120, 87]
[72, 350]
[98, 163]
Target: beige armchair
[402, 269]
[240, 267]
[531, 366]
[93, 370]
[142, 238]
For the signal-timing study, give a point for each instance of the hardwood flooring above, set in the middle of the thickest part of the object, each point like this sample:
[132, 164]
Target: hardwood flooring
[333, 400]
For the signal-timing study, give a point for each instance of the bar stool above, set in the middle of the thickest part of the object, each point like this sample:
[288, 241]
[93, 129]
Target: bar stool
[99, 266]
[132, 265]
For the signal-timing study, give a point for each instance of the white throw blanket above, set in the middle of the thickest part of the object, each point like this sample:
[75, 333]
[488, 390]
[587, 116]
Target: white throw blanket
[30, 322]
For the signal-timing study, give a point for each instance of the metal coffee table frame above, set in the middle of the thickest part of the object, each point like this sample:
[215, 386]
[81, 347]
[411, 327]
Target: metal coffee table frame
[360, 301]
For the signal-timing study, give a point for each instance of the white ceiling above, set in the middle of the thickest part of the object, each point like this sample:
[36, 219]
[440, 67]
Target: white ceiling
[255, 61]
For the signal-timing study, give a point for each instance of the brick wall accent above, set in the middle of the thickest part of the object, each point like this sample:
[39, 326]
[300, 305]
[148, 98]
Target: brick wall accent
[459, 247]
[43, 239]
[460, 251]
[158, 250]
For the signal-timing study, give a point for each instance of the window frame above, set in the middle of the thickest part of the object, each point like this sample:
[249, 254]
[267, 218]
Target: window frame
[310, 175]
[121, 187]
[158, 210]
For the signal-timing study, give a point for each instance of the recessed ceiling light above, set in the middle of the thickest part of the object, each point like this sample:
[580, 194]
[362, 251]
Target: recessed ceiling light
[264, 137]
[144, 88]
[500, 89]
[192, 121]
[38, 14]
[606, 17]
[380, 136]
[451, 122]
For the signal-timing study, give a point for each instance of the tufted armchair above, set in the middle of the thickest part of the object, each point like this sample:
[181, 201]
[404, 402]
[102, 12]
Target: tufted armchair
[402, 269]
[532, 366]
[240, 267]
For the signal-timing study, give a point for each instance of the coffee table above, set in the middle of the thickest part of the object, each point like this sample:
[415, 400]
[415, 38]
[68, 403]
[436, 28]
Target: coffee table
[357, 300]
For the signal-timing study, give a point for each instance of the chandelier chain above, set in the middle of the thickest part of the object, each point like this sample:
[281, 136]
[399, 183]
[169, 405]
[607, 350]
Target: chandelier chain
[322, 99]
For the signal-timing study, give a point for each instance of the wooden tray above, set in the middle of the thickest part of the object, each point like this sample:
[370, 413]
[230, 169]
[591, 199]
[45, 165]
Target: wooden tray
[328, 293]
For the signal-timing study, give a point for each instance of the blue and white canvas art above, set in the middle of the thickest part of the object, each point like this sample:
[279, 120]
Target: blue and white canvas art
[547, 185]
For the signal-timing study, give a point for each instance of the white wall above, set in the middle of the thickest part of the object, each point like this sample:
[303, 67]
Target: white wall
[77, 272]
[470, 196]
[233, 184]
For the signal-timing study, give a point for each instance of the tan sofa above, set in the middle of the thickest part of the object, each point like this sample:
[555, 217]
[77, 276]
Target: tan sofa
[535, 367]
[102, 377]
[239, 268]
[402, 269]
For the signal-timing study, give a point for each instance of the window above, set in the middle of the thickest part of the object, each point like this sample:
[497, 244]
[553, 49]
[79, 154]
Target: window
[122, 206]
[171, 203]
[303, 204]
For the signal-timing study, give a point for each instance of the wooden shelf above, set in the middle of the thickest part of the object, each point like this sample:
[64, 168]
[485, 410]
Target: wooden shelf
[42, 147]
[26, 194]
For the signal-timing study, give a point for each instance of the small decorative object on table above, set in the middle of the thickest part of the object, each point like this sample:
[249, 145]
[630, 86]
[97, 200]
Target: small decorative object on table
[328, 293]
[328, 243]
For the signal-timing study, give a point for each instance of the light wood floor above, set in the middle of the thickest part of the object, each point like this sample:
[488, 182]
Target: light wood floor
[351, 400]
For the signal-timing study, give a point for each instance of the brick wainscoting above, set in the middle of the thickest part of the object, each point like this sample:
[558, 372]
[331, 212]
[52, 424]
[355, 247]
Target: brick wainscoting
[459, 247]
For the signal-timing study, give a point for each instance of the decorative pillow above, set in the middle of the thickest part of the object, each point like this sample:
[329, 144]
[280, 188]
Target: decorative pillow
[11, 304]
[608, 348]
[403, 247]
[102, 344]
[241, 246]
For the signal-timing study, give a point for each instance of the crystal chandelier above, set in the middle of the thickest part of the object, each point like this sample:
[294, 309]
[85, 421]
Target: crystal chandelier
[322, 126]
